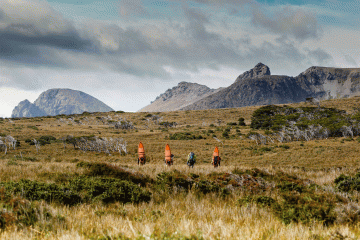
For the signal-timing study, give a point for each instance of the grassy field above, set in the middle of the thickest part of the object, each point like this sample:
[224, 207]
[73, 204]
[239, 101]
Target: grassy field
[257, 193]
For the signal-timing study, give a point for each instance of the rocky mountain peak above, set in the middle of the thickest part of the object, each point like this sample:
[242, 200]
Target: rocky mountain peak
[259, 70]
[179, 96]
[27, 109]
[184, 87]
[60, 101]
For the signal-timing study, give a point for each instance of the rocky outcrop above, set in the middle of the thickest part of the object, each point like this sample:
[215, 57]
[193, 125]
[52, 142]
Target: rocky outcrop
[328, 83]
[27, 109]
[183, 94]
[258, 71]
[60, 101]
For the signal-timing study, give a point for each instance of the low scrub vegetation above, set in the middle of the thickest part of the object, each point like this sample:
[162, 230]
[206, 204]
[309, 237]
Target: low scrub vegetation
[285, 123]
[184, 136]
[303, 184]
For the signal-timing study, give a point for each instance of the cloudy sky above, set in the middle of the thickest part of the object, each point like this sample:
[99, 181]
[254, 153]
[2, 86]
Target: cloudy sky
[127, 52]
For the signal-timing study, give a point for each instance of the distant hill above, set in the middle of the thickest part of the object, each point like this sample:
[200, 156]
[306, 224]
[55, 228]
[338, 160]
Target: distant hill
[60, 101]
[258, 87]
[183, 94]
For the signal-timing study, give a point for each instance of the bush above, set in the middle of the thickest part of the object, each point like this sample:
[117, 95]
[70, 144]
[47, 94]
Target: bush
[108, 190]
[16, 210]
[33, 190]
[184, 136]
[78, 190]
[43, 140]
[262, 201]
[305, 208]
[242, 121]
[348, 183]
[297, 201]
[284, 146]
[108, 170]
[168, 181]
[225, 134]
[32, 127]
[276, 117]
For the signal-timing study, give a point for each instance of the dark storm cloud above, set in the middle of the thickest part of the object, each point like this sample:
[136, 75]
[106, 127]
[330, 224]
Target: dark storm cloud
[320, 56]
[44, 38]
[287, 21]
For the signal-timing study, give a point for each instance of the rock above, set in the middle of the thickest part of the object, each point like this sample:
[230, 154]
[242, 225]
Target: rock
[60, 101]
[258, 71]
[27, 109]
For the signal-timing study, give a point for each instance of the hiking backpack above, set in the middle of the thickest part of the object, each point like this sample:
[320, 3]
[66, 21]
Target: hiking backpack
[191, 157]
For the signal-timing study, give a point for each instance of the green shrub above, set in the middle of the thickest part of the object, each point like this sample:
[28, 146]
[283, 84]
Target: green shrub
[290, 187]
[225, 134]
[108, 190]
[32, 127]
[242, 121]
[276, 117]
[33, 190]
[305, 208]
[16, 210]
[113, 171]
[169, 180]
[43, 140]
[284, 146]
[184, 136]
[265, 149]
[79, 189]
[348, 183]
[297, 201]
[262, 201]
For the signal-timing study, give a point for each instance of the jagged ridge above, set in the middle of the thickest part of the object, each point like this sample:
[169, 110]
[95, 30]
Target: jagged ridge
[257, 87]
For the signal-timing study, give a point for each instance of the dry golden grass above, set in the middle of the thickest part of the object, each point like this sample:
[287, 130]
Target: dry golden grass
[321, 161]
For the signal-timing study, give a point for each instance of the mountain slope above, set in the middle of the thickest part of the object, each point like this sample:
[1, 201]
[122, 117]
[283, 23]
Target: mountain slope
[60, 101]
[260, 89]
[183, 94]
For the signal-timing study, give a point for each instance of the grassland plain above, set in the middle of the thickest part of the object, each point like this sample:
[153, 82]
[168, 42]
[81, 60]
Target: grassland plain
[199, 203]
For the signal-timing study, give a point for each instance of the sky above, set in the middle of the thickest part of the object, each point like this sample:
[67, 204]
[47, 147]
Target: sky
[127, 52]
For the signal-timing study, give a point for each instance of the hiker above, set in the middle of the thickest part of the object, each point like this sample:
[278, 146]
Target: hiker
[191, 159]
[141, 153]
[216, 159]
[169, 157]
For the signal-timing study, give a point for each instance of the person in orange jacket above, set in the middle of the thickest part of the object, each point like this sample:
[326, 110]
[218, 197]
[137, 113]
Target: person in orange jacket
[169, 157]
[216, 159]
[141, 154]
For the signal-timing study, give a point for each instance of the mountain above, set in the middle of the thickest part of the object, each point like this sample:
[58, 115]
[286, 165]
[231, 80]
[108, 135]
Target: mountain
[59, 101]
[258, 87]
[183, 94]
[27, 109]
[258, 71]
